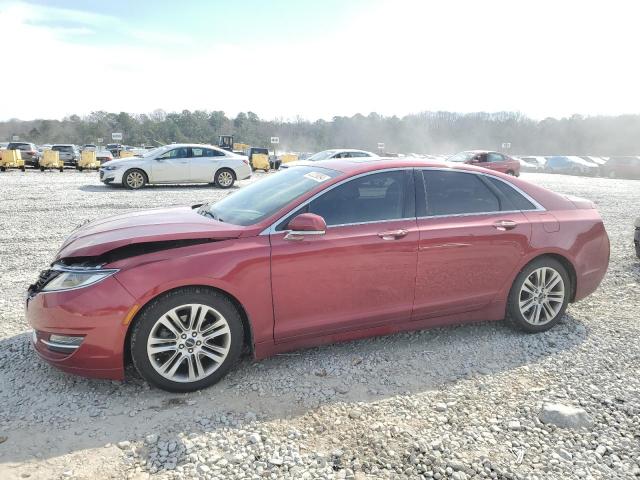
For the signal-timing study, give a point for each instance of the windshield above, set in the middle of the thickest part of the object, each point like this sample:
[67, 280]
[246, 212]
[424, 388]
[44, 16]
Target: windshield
[151, 153]
[461, 157]
[324, 155]
[259, 200]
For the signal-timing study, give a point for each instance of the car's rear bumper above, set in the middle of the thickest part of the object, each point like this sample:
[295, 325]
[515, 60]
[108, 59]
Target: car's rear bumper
[243, 172]
[97, 314]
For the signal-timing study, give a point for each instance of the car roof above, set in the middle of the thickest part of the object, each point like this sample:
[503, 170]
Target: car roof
[352, 166]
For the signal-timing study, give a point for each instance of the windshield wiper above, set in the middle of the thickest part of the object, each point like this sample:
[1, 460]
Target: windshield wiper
[208, 213]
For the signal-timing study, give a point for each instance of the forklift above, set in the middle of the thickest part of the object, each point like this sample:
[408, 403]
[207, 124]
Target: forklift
[225, 142]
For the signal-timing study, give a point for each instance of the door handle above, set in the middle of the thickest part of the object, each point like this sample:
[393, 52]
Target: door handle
[504, 225]
[393, 234]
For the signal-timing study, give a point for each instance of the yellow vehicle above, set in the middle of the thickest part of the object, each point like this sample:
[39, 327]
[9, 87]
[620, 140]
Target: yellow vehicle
[88, 160]
[51, 160]
[260, 161]
[11, 159]
[126, 154]
[288, 157]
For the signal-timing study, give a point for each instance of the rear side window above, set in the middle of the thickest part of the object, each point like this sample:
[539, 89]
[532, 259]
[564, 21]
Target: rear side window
[371, 198]
[516, 200]
[495, 157]
[457, 193]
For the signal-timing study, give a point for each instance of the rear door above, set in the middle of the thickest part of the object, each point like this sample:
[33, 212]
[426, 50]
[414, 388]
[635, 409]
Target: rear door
[361, 272]
[204, 163]
[496, 161]
[471, 240]
[171, 167]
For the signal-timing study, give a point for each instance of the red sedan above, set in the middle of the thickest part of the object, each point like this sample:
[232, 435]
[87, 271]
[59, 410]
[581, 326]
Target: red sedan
[317, 253]
[487, 159]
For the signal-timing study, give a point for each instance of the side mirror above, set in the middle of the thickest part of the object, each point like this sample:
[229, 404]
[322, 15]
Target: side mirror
[305, 224]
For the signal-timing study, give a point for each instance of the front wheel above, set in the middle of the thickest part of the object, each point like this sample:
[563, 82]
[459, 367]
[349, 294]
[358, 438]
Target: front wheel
[225, 178]
[187, 339]
[539, 296]
[42, 169]
[134, 179]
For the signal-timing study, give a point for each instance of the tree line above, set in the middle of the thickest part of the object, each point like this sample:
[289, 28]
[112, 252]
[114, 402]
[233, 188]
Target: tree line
[426, 132]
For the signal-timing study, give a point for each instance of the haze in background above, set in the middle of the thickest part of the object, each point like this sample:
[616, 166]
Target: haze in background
[287, 58]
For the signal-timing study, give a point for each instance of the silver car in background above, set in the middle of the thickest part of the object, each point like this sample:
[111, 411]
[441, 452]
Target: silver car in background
[177, 163]
[68, 152]
[334, 153]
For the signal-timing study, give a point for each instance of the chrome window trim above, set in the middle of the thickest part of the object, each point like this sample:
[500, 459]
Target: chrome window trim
[272, 228]
[539, 208]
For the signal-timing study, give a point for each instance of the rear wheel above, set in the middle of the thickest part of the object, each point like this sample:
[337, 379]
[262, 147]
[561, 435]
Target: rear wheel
[42, 169]
[3, 169]
[539, 296]
[187, 339]
[225, 178]
[134, 179]
[512, 173]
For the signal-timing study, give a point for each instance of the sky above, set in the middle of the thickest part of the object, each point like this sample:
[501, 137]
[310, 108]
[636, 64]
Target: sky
[313, 59]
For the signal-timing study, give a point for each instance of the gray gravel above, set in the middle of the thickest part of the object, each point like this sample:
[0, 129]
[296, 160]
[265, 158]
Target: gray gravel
[475, 401]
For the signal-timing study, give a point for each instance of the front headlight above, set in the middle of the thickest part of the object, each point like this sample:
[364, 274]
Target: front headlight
[111, 167]
[69, 279]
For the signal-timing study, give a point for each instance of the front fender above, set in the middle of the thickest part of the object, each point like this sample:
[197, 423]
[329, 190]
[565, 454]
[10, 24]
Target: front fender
[238, 267]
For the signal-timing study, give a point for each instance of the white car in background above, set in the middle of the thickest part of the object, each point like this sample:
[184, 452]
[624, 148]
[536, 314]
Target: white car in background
[177, 163]
[334, 153]
[531, 163]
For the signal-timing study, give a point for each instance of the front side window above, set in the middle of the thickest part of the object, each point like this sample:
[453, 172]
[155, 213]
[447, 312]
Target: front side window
[457, 193]
[371, 198]
[175, 153]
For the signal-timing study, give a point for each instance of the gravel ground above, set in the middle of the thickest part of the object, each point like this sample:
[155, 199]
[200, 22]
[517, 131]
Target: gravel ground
[475, 401]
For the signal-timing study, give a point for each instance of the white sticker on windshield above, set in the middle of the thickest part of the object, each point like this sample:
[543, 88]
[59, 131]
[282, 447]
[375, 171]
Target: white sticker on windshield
[317, 176]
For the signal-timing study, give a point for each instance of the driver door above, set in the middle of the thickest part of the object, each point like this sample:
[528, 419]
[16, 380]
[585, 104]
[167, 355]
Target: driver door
[172, 166]
[361, 272]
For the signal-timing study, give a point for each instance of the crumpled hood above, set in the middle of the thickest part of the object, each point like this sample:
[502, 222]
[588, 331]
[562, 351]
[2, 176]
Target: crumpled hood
[157, 225]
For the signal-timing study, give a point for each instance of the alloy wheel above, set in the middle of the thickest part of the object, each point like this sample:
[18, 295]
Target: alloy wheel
[135, 179]
[225, 179]
[541, 296]
[189, 343]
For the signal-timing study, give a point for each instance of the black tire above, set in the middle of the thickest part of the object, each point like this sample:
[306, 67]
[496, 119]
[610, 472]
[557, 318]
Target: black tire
[512, 173]
[637, 250]
[222, 178]
[22, 169]
[3, 169]
[157, 308]
[134, 179]
[79, 169]
[42, 169]
[61, 169]
[515, 317]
